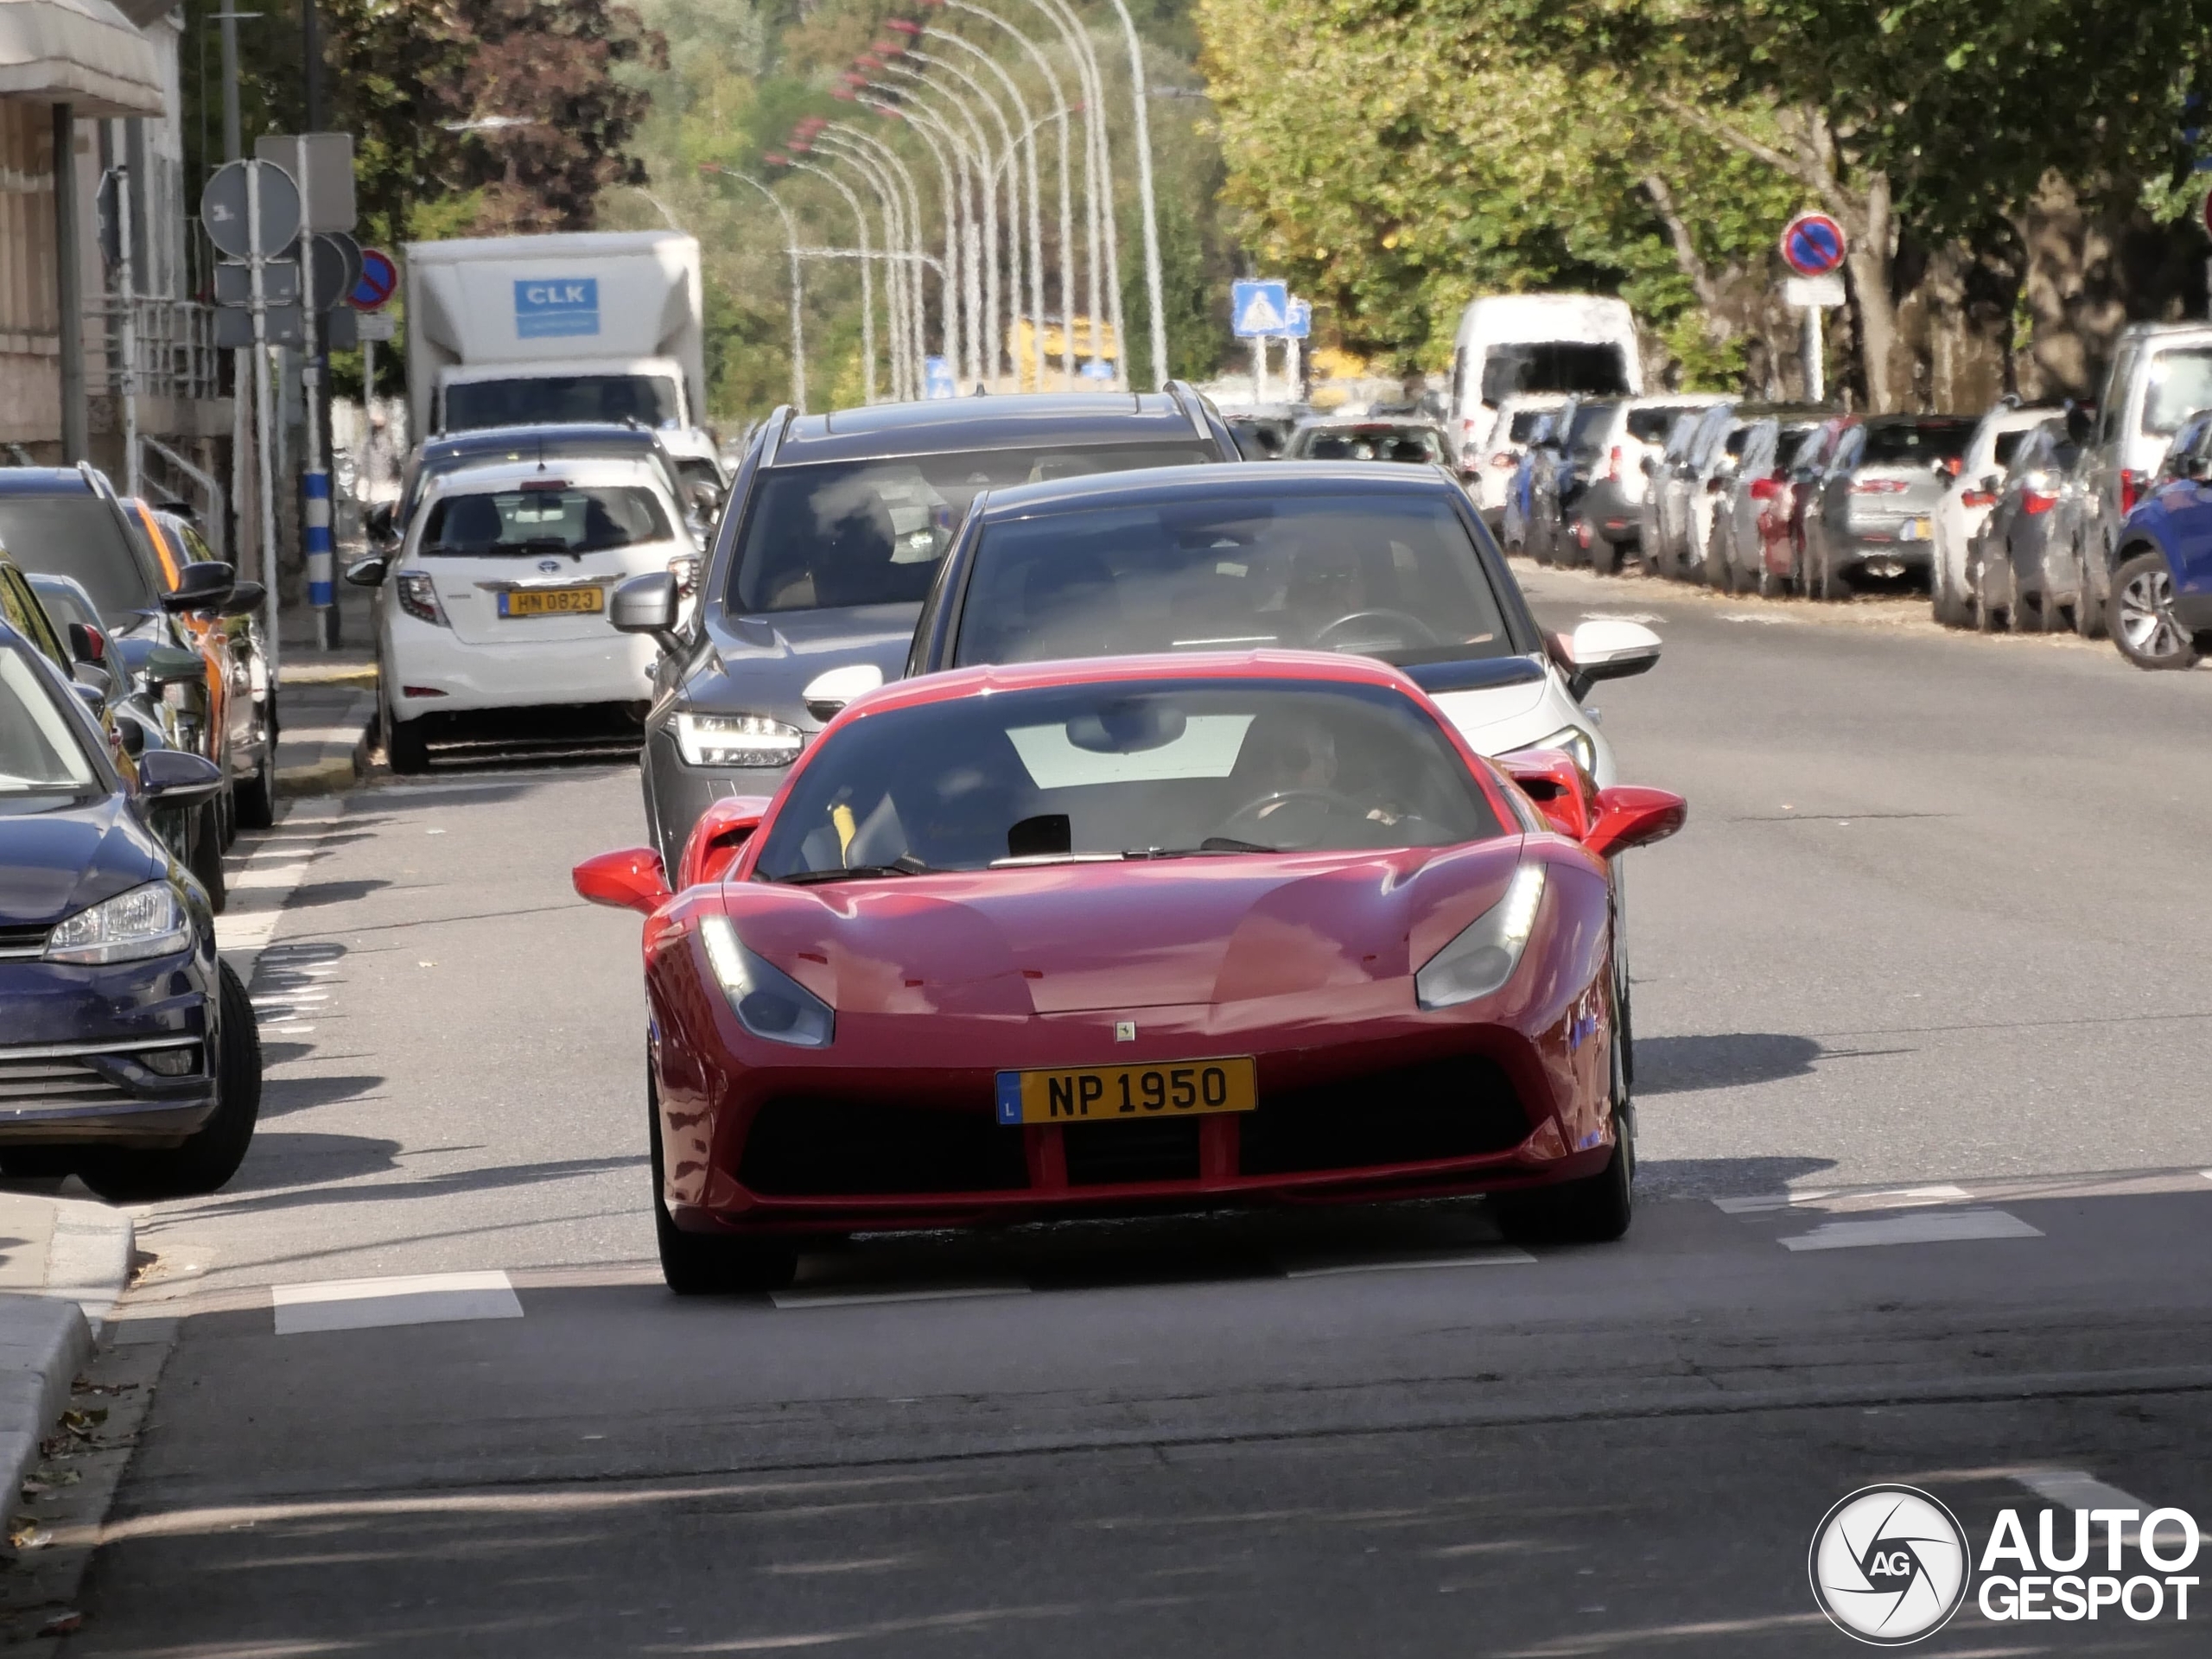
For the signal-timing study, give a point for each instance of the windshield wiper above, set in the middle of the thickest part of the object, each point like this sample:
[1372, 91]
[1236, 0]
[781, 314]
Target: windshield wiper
[1210, 844]
[904, 864]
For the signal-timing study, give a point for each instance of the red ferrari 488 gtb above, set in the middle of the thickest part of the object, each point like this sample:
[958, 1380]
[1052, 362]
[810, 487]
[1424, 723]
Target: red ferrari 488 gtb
[1131, 935]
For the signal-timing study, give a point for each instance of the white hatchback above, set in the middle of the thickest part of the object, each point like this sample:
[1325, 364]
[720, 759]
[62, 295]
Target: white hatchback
[496, 599]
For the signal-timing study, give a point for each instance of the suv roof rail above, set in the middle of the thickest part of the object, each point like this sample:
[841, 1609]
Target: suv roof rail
[780, 425]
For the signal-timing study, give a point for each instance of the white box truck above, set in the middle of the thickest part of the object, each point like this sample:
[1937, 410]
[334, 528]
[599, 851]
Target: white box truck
[521, 330]
[1512, 345]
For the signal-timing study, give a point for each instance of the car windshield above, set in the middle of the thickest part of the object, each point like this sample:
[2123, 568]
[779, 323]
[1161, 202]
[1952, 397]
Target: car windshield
[1135, 768]
[1390, 575]
[2008, 445]
[65, 602]
[558, 519]
[871, 532]
[1525, 422]
[532, 400]
[1588, 431]
[1367, 442]
[1650, 425]
[438, 466]
[1553, 365]
[2180, 383]
[1908, 442]
[80, 535]
[39, 753]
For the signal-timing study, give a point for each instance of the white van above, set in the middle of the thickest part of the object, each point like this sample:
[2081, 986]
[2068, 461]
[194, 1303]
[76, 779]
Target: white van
[2161, 374]
[1518, 343]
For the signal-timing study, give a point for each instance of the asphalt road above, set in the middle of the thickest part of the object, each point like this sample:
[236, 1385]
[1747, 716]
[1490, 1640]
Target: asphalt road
[1924, 1010]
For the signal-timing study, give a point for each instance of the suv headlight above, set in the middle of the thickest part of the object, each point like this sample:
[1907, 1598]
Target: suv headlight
[1576, 742]
[1485, 953]
[736, 740]
[768, 1002]
[148, 921]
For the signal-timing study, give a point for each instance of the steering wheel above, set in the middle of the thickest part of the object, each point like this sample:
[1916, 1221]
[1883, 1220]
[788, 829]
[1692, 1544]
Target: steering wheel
[1249, 814]
[1421, 634]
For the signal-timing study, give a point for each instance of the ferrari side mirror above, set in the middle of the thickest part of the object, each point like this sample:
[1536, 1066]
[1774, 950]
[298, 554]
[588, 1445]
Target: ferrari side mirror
[1630, 815]
[629, 879]
[717, 838]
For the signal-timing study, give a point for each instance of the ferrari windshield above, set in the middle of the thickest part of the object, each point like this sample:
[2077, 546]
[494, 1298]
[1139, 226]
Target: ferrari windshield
[871, 532]
[1136, 769]
[1378, 573]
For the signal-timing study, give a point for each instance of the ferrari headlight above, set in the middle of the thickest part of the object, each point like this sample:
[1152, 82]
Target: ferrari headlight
[1576, 742]
[768, 1002]
[1483, 957]
[736, 740]
[148, 921]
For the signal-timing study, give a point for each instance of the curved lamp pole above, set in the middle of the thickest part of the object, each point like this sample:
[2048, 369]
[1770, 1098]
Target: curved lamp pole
[982, 218]
[1059, 116]
[886, 161]
[867, 280]
[1000, 316]
[1140, 96]
[790, 249]
[1025, 141]
[1098, 160]
[897, 244]
[891, 102]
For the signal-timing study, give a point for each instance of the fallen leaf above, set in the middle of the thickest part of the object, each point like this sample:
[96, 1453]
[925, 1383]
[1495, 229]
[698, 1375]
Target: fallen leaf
[62, 1624]
[25, 1533]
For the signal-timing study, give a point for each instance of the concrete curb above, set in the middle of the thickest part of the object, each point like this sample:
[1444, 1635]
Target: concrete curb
[66, 1261]
[328, 753]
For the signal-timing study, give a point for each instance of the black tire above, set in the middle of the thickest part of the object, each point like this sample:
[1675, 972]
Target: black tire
[1604, 555]
[1949, 610]
[405, 748]
[212, 1156]
[703, 1264]
[2089, 611]
[2142, 619]
[1595, 1210]
[254, 799]
[204, 860]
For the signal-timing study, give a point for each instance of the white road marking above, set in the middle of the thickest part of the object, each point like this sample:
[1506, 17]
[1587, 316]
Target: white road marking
[1903, 1198]
[2076, 1489]
[859, 1294]
[1645, 617]
[257, 874]
[1925, 1227]
[1488, 1256]
[414, 1298]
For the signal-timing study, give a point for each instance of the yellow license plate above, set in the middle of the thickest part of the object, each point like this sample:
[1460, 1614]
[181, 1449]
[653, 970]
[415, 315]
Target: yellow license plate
[553, 601]
[1129, 1094]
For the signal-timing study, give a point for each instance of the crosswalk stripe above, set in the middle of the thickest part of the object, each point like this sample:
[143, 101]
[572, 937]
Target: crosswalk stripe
[2076, 1489]
[411, 1299]
[1491, 1255]
[858, 1295]
[1913, 1227]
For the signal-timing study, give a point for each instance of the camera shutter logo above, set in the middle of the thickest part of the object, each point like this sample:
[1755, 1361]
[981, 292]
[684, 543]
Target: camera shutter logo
[1889, 1566]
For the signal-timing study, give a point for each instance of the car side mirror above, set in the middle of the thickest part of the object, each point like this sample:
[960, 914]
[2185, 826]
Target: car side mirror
[177, 777]
[1650, 466]
[1563, 792]
[173, 666]
[1603, 650]
[369, 572]
[706, 499]
[629, 879]
[378, 525]
[203, 585]
[132, 735]
[87, 643]
[90, 695]
[827, 693]
[717, 838]
[646, 604]
[1630, 815]
[246, 598]
[95, 678]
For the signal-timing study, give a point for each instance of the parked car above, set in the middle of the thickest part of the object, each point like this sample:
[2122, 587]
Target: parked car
[1559, 475]
[2161, 600]
[2022, 568]
[1689, 488]
[1262, 429]
[1280, 935]
[68, 521]
[1967, 500]
[2161, 373]
[1518, 518]
[1635, 429]
[1322, 437]
[492, 446]
[832, 537]
[496, 601]
[1653, 525]
[131, 710]
[1750, 511]
[1873, 514]
[1489, 472]
[129, 1056]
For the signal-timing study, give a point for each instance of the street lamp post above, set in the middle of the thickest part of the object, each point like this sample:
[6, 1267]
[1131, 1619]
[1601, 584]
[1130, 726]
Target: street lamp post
[791, 248]
[889, 160]
[898, 244]
[998, 317]
[1139, 97]
[926, 127]
[1026, 142]
[982, 260]
[1098, 160]
[868, 279]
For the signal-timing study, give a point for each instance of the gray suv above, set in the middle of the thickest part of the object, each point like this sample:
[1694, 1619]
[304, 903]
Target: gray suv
[833, 535]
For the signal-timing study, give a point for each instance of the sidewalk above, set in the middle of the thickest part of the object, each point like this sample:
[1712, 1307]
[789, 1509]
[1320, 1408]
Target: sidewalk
[63, 1262]
[326, 699]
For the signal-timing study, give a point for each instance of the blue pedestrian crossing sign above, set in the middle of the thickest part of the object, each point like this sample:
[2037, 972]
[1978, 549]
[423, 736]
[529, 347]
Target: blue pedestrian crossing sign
[937, 377]
[1297, 324]
[1258, 307]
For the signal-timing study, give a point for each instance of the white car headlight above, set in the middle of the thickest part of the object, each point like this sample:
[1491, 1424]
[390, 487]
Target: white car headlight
[1487, 950]
[148, 921]
[736, 740]
[1576, 742]
[768, 1002]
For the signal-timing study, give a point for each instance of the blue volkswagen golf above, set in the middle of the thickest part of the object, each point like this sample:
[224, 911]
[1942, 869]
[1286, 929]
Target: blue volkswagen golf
[128, 1052]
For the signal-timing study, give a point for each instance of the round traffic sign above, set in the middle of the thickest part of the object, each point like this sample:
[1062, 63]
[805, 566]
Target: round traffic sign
[337, 267]
[223, 208]
[1812, 244]
[378, 282]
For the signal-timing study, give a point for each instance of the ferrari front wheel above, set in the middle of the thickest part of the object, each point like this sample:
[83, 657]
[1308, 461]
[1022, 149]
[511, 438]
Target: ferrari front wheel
[707, 1264]
[1595, 1210]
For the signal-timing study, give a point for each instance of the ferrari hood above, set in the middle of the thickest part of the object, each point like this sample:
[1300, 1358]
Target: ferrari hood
[1069, 938]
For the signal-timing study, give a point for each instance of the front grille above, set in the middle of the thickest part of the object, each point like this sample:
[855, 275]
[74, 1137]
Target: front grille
[1413, 1115]
[1151, 1149]
[30, 1082]
[19, 943]
[806, 1147]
